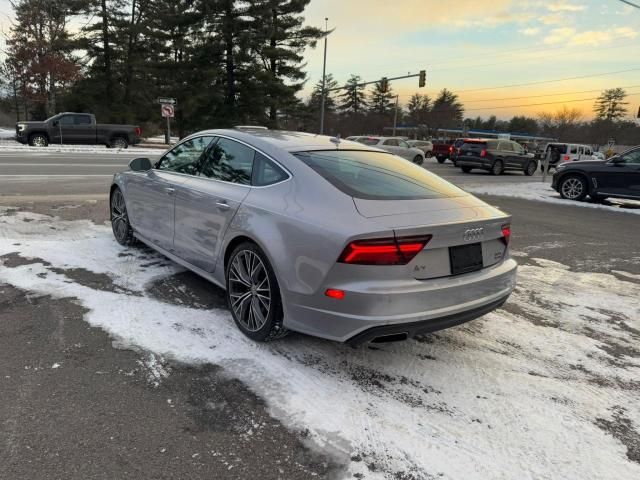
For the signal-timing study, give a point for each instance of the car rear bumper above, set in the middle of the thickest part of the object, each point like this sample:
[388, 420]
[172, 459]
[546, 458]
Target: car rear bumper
[412, 306]
[472, 161]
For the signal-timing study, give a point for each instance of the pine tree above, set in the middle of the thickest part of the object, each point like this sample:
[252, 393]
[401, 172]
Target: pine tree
[419, 107]
[382, 102]
[354, 99]
[447, 111]
[316, 95]
[611, 104]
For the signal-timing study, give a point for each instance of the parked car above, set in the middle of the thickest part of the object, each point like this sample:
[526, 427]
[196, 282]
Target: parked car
[425, 145]
[617, 177]
[566, 152]
[304, 232]
[442, 150]
[395, 145]
[454, 150]
[76, 128]
[495, 156]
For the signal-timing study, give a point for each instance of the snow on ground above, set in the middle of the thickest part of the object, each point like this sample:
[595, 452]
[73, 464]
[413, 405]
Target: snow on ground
[543, 192]
[544, 388]
[12, 146]
[7, 134]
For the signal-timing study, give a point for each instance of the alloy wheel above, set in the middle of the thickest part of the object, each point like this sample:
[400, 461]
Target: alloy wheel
[572, 188]
[119, 219]
[39, 141]
[119, 143]
[249, 290]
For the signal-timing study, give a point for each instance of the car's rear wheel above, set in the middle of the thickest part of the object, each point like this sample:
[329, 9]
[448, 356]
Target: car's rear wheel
[466, 169]
[418, 160]
[530, 169]
[119, 142]
[441, 160]
[38, 140]
[120, 219]
[573, 187]
[497, 168]
[253, 294]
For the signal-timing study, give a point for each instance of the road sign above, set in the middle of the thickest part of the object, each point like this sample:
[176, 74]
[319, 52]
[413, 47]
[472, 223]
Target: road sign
[611, 142]
[167, 111]
[167, 101]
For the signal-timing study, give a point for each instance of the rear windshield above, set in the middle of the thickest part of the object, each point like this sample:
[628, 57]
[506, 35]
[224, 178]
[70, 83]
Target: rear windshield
[472, 143]
[377, 175]
[368, 141]
[560, 147]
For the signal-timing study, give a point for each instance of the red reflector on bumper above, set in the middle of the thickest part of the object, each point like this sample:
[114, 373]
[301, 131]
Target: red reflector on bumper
[334, 293]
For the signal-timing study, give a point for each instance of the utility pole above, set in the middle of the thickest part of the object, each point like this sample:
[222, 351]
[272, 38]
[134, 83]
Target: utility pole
[324, 78]
[395, 116]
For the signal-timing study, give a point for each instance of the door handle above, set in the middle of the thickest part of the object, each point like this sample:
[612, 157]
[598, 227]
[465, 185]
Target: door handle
[170, 191]
[222, 205]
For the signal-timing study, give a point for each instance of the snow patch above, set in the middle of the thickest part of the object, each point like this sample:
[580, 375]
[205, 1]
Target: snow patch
[543, 192]
[516, 391]
[53, 148]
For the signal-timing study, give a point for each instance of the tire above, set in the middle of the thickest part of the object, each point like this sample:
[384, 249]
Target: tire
[466, 169]
[258, 317]
[428, 154]
[38, 140]
[573, 187]
[497, 168]
[441, 160]
[530, 168]
[418, 160]
[119, 218]
[119, 142]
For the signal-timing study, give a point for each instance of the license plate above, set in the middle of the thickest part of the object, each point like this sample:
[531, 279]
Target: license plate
[465, 258]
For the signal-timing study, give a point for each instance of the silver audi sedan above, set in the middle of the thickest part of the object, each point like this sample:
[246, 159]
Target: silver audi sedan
[318, 235]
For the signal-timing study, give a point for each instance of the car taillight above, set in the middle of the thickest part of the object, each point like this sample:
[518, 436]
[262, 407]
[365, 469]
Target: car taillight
[506, 234]
[566, 158]
[138, 132]
[483, 153]
[385, 251]
[450, 149]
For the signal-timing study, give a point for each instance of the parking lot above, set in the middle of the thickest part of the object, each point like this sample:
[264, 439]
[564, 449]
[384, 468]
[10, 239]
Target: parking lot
[119, 362]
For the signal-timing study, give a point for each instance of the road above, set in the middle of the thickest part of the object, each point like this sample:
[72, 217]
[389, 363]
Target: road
[80, 402]
[74, 173]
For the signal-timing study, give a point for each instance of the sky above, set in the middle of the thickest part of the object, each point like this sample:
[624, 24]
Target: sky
[469, 45]
[473, 46]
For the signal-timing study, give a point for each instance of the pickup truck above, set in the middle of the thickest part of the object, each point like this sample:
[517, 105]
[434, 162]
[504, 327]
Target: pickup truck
[442, 150]
[76, 128]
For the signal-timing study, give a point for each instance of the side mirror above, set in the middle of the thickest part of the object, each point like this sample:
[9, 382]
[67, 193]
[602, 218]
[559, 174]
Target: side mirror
[140, 165]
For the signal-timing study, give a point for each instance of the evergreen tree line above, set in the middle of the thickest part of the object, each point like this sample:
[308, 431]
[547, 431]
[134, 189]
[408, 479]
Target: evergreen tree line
[226, 61]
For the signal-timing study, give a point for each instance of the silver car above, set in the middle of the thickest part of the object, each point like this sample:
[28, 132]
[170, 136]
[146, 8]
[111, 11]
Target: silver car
[396, 146]
[317, 235]
[425, 145]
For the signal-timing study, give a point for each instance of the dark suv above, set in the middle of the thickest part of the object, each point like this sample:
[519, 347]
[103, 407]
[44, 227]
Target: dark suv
[496, 156]
[617, 177]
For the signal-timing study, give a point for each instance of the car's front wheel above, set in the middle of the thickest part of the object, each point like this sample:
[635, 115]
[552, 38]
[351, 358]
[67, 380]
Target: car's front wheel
[573, 187]
[120, 225]
[38, 140]
[253, 294]
[530, 169]
[417, 160]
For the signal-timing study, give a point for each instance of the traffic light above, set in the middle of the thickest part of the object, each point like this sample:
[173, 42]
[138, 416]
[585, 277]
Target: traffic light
[423, 79]
[385, 84]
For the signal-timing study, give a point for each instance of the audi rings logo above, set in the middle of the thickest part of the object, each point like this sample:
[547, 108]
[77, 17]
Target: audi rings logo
[473, 234]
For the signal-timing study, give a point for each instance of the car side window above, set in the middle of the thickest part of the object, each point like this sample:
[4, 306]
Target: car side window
[518, 148]
[392, 142]
[66, 120]
[229, 161]
[184, 158]
[505, 147]
[632, 157]
[82, 120]
[402, 143]
[574, 149]
[265, 172]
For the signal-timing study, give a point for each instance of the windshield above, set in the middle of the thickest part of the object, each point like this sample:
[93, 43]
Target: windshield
[377, 175]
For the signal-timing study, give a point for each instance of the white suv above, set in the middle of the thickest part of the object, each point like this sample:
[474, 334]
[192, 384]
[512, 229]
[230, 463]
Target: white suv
[396, 146]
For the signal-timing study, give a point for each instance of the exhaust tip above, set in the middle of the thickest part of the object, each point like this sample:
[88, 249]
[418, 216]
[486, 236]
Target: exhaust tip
[393, 337]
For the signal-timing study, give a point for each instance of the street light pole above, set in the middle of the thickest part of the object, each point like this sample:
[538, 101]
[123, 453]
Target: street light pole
[324, 70]
[395, 116]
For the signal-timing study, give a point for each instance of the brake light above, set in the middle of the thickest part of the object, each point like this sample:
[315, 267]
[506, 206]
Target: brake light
[334, 293]
[385, 251]
[506, 234]
[138, 132]
[483, 153]
[566, 158]
[450, 149]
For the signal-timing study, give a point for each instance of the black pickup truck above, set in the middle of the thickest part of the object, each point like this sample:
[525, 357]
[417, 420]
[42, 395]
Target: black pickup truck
[76, 128]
